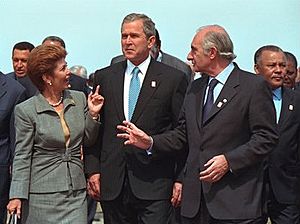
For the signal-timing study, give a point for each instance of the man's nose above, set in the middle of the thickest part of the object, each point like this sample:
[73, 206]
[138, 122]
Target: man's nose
[19, 64]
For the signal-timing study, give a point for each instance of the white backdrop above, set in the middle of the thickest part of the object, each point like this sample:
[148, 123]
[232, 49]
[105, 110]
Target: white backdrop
[91, 28]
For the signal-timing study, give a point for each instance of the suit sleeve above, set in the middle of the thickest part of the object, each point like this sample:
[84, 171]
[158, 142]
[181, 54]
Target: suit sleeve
[12, 133]
[263, 133]
[93, 152]
[91, 126]
[22, 160]
[173, 141]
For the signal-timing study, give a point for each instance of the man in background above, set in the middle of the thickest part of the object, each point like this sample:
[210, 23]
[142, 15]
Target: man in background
[283, 166]
[290, 75]
[20, 54]
[76, 82]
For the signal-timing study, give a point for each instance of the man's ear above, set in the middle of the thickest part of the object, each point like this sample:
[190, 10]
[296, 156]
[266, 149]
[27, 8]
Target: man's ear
[151, 41]
[256, 69]
[213, 53]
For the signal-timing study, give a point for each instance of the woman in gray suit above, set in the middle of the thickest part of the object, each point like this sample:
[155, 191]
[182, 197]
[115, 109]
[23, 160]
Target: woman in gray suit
[48, 183]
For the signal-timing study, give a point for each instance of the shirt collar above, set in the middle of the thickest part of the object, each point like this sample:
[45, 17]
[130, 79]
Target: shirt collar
[277, 93]
[159, 57]
[223, 76]
[143, 66]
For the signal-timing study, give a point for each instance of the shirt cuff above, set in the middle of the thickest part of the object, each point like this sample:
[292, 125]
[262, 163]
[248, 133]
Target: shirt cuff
[149, 151]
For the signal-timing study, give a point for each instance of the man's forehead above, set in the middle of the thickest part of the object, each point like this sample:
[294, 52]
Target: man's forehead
[20, 52]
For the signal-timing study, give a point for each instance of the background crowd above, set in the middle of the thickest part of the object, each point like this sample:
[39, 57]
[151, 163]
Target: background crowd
[175, 142]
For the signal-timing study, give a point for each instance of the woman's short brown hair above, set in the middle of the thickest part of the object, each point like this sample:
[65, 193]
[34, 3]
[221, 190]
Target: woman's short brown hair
[42, 60]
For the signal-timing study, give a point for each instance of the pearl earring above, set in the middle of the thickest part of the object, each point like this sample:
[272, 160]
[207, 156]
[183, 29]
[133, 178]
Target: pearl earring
[50, 83]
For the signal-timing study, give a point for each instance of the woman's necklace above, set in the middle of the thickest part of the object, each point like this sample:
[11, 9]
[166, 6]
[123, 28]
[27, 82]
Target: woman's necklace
[58, 103]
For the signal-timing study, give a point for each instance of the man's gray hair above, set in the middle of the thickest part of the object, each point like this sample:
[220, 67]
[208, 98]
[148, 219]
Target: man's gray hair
[79, 70]
[148, 24]
[218, 38]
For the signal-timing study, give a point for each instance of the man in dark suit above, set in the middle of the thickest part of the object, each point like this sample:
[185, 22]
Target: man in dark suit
[76, 82]
[11, 93]
[20, 54]
[162, 57]
[284, 163]
[136, 187]
[289, 79]
[228, 121]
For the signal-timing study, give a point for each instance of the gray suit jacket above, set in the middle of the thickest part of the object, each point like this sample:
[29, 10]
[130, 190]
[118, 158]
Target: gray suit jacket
[42, 162]
[167, 60]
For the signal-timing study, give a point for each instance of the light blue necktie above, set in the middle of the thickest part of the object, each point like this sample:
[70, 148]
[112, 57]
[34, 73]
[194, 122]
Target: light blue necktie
[134, 90]
[277, 104]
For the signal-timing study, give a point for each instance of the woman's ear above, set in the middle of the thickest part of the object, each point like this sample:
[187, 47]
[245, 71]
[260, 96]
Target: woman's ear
[46, 79]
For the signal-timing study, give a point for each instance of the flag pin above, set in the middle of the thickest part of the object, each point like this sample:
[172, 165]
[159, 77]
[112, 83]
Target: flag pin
[219, 104]
[153, 84]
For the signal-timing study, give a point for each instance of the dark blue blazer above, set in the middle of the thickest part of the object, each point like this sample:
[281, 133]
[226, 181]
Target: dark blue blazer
[284, 161]
[30, 88]
[78, 83]
[11, 93]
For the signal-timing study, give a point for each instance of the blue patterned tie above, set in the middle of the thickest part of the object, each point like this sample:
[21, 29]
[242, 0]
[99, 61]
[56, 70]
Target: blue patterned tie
[134, 90]
[209, 100]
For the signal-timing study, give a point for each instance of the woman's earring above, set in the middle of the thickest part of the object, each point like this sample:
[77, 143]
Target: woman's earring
[50, 83]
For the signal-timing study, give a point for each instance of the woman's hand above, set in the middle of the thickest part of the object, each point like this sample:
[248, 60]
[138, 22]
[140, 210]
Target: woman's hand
[14, 206]
[95, 102]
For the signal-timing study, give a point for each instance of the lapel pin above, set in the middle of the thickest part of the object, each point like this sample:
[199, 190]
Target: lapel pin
[225, 100]
[219, 104]
[153, 84]
[291, 107]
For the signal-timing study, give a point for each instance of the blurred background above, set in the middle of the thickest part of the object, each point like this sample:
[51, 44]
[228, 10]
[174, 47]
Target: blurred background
[91, 28]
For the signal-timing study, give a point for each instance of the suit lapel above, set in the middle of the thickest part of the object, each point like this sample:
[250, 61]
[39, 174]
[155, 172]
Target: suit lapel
[117, 83]
[225, 96]
[150, 84]
[287, 106]
[200, 86]
[3, 85]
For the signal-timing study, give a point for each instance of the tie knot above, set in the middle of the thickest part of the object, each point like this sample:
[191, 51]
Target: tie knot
[212, 84]
[276, 95]
[135, 71]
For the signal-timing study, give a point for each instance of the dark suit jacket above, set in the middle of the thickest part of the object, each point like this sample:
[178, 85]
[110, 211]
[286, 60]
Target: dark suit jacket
[284, 161]
[242, 127]
[11, 93]
[157, 110]
[78, 83]
[30, 88]
[166, 59]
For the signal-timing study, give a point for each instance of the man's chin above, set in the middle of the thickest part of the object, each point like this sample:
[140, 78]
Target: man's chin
[20, 74]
